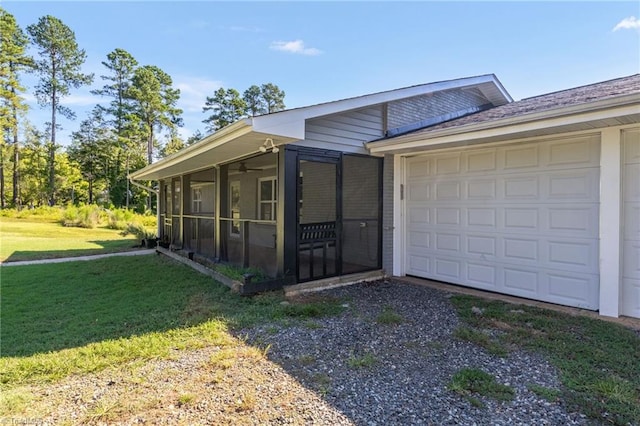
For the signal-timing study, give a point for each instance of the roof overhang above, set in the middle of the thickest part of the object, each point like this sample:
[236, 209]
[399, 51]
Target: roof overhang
[244, 137]
[609, 112]
[236, 141]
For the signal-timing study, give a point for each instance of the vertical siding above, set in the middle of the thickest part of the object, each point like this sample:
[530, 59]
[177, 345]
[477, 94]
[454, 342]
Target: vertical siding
[346, 131]
[387, 214]
[417, 108]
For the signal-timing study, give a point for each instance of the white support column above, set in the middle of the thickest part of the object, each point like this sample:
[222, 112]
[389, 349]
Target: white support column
[399, 193]
[610, 216]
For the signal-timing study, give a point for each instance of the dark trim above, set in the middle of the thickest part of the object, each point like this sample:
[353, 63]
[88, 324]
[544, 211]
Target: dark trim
[287, 222]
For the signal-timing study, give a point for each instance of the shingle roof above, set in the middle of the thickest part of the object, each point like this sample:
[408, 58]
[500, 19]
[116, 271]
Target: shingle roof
[564, 98]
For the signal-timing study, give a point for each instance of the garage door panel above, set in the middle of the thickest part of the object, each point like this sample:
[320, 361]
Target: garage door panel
[419, 215]
[631, 259]
[482, 275]
[631, 297]
[482, 217]
[520, 219]
[418, 191]
[481, 161]
[521, 157]
[580, 290]
[482, 245]
[448, 268]
[578, 151]
[419, 264]
[448, 216]
[632, 174]
[521, 249]
[578, 185]
[632, 224]
[578, 220]
[481, 189]
[447, 164]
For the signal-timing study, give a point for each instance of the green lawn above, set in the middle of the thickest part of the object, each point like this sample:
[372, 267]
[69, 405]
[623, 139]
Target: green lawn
[23, 239]
[79, 317]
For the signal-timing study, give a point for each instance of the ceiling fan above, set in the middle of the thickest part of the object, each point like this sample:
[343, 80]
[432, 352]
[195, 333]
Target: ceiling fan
[244, 169]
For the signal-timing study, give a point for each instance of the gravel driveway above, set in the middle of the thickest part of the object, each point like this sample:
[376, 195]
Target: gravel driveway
[352, 368]
[384, 374]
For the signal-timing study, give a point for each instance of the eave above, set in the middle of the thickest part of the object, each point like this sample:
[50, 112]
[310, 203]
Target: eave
[613, 111]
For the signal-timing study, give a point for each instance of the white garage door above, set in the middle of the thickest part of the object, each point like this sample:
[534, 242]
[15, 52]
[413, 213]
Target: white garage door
[631, 225]
[519, 219]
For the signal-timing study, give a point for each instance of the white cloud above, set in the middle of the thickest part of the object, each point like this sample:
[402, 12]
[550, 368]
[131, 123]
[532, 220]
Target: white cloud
[296, 46]
[194, 92]
[630, 23]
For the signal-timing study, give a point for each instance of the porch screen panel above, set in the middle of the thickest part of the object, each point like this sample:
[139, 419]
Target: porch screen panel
[199, 223]
[361, 198]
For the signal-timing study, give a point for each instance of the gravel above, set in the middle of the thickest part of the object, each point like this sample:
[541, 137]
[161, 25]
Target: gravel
[352, 368]
[385, 374]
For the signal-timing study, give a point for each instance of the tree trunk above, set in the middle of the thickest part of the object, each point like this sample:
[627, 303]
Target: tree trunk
[15, 198]
[52, 151]
[149, 160]
[2, 202]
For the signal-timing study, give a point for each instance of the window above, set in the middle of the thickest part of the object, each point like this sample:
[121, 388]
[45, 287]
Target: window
[234, 203]
[267, 198]
[196, 200]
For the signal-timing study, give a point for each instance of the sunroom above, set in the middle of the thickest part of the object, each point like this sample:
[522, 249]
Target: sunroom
[295, 213]
[295, 194]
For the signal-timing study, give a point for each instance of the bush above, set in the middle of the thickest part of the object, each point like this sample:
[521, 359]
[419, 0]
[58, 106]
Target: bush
[139, 231]
[86, 216]
[41, 213]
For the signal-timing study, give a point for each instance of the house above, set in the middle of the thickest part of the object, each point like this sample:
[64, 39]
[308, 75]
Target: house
[451, 181]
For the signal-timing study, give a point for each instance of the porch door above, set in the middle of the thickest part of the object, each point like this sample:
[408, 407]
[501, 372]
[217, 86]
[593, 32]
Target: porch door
[319, 227]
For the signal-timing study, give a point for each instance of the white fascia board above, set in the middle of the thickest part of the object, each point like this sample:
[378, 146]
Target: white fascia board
[221, 137]
[513, 125]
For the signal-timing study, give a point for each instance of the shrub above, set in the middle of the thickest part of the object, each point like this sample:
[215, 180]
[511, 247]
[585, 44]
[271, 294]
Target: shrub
[86, 216]
[139, 231]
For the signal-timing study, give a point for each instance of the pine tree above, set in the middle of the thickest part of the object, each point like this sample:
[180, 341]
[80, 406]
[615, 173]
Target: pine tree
[13, 61]
[59, 67]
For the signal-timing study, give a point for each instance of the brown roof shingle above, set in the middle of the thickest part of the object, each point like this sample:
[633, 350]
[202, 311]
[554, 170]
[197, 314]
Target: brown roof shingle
[564, 98]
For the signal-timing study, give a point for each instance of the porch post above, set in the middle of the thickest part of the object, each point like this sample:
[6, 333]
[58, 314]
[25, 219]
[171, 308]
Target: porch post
[287, 210]
[184, 200]
[217, 207]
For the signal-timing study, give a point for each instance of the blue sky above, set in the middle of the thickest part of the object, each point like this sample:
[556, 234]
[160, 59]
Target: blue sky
[323, 51]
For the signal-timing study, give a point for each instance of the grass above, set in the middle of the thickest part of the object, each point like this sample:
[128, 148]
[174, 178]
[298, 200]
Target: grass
[389, 317]
[82, 317]
[363, 361]
[29, 239]
[473, 381]
[598, 361]
[482, 339]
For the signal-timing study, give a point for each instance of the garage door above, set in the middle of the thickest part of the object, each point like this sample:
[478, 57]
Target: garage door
[631, 224]
[519, 219]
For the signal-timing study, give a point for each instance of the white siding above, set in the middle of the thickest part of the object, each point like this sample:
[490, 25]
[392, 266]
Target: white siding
[346, 131]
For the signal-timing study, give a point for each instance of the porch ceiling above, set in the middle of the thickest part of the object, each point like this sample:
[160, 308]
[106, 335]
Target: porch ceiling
[240, 144]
